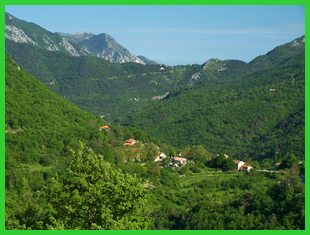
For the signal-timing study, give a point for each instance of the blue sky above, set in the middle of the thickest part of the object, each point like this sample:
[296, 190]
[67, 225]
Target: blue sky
[178, 34]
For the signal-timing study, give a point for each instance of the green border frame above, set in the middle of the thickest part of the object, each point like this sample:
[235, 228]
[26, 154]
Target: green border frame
[3, 3]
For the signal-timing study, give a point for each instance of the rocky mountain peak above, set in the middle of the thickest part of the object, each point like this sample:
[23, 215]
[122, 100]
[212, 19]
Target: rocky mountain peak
[102, 45]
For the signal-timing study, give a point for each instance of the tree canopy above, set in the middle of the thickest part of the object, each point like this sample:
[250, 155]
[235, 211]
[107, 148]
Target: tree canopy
[93, 195]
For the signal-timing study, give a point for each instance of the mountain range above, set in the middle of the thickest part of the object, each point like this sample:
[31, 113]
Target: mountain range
[156, 97]
[80, 44]
[236, 107]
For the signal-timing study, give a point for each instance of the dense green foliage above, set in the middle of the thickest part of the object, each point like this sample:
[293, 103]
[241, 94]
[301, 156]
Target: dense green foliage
[250, 114]
[93, 195]
[42, 130]
[55, 123]
[217, 200]
[222, 163]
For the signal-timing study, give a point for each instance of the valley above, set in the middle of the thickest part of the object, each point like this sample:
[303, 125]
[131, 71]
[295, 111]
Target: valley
[98, 138]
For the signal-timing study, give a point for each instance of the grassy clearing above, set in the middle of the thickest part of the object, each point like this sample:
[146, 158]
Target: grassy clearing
[194, 178]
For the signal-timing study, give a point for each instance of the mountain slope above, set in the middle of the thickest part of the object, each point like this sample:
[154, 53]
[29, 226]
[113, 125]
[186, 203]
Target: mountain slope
[97, 85]
[284, 54]
[285, 137]
[21, 31]
[43, 191]
[233, 107]
[32, 110]
[41, 131]
[101, 45]
[53, 147]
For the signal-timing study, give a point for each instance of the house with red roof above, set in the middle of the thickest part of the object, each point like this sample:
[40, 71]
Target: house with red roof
[105, 127]
[129, 142]
[179, 160]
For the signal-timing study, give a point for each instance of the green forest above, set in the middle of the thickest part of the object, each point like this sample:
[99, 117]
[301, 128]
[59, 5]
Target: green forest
[74, 176]
[97, 85]
[49, 142]
[233, 119]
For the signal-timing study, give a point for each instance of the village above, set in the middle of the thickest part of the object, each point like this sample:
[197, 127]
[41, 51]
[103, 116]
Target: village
[177, 161]
[180, 160]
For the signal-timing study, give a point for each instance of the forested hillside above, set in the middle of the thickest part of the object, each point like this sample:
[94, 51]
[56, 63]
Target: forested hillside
[53, 149]
[97, 85]
[253, 110]
[62, 172]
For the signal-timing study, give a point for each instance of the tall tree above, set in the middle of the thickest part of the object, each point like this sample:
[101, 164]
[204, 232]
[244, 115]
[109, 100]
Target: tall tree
[93, 195]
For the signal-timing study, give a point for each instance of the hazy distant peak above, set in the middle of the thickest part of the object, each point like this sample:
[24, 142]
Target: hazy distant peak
[214, 64]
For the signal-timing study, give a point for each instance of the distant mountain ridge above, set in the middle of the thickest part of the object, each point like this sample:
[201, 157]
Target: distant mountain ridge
[81, 44]
[103, 46]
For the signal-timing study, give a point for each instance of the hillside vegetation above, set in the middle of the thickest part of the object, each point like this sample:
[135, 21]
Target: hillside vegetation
[97, 85]
[53, 150]
[242, 110]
